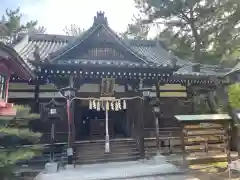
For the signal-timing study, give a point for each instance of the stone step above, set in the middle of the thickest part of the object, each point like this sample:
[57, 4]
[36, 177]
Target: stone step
[113, 141]
[105, 159]
[97, 151]
[124, 144]
[103, 154]
[100, 150]
[94, 151]
[92, 146]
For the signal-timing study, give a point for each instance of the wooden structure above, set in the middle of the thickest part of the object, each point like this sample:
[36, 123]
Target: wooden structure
[10, 63]
[100, 63]
[205, 136]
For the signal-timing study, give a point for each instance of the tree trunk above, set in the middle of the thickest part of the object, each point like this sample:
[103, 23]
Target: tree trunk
[211, 102]
[197, 45]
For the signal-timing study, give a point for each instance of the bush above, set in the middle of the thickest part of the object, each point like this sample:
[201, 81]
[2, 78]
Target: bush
[13, 132]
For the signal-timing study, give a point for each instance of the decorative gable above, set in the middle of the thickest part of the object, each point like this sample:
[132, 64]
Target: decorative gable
[106, 52]
[99, 43]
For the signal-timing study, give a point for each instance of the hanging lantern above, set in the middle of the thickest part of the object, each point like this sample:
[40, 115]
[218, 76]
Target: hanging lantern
[98, 106]
[112, 106]
[107, 105]
[124, 104]
[94, 104]
[90, 104]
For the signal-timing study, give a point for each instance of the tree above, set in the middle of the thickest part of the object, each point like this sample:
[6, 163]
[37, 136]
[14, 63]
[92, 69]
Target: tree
[14, 133]
[73, 30]
[234, 96]
[137, 30]
[211, 28]
[12, 21]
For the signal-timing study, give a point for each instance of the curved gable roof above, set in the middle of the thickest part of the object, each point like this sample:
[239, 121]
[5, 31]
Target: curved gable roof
[15, 62]
[52, 47]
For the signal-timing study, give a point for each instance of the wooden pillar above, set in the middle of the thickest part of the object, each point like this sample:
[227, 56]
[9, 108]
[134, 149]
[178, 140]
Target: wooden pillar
[211, 102]
[140, 125]
[157, 119]
[182, 136]
[36, 98]
[128, 118]
[72, 108]
[7, 88]
[190, 95]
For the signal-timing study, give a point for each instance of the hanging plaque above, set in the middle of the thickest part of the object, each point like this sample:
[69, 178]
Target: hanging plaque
[107, 87]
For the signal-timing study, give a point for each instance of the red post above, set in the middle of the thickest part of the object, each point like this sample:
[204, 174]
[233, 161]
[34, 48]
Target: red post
[69, 150]
[6, 88]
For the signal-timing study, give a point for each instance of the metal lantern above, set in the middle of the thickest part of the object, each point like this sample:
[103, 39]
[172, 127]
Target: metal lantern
[156, 109]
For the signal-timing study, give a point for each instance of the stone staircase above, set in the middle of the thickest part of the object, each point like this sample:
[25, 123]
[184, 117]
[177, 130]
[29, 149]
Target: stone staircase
[91, 152]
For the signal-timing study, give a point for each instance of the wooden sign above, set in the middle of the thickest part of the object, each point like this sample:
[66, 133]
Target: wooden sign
[107, 87]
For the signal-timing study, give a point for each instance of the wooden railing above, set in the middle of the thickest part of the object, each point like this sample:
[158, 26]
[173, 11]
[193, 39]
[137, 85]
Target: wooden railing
[164, 133]
[166, 137]
[59, 137]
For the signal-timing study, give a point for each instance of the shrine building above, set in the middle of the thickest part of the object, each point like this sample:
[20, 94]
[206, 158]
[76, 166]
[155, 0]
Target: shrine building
[108, 74]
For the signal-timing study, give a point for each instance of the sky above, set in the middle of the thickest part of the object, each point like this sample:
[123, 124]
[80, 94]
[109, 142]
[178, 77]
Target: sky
[56, 14]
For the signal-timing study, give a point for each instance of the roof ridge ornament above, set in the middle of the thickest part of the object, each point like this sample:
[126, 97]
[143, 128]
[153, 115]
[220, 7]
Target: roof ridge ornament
[100, 19]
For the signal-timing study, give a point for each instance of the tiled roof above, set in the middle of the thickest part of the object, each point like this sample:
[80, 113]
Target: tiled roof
[151, 50]
[149, 53]
[54, 47]
[205, 70]
[17, 64]
[46, 43]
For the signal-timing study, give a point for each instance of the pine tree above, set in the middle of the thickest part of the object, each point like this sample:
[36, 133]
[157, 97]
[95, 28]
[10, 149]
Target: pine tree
[203, 31]
[14, 133]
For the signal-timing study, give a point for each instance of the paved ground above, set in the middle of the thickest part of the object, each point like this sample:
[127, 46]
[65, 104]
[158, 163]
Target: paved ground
[155, 169]
[114, 170]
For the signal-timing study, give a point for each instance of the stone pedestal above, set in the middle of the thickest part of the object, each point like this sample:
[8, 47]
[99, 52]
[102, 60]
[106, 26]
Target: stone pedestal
[51, 167]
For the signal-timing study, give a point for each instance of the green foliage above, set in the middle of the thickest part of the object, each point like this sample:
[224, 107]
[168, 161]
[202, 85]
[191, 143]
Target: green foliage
[136, 31]
[204, 31]
[23, 112]
[234, 96]
[12, 135]
[12, 20]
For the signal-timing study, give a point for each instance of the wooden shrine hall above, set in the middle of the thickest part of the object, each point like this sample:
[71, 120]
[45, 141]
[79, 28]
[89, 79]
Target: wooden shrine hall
[108, 74]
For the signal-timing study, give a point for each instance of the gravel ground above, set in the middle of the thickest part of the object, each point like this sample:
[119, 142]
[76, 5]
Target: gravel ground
[177, 177]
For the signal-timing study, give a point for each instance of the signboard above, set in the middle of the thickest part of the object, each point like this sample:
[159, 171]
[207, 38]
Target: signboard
[107, 87]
